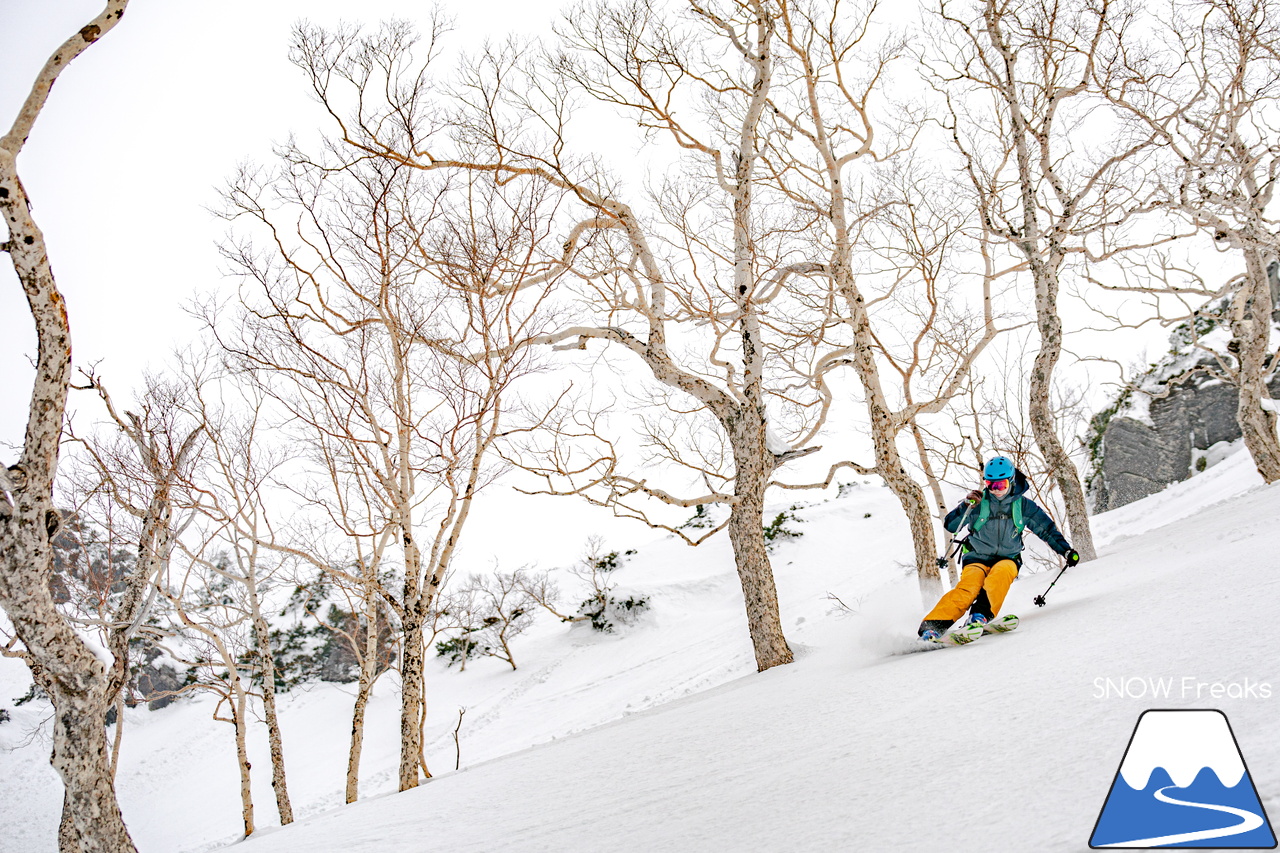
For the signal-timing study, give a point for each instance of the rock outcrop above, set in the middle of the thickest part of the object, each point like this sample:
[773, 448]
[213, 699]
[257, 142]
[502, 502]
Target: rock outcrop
[1139, 457]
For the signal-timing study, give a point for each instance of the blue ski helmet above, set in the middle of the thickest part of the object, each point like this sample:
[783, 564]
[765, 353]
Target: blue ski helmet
[998, 468]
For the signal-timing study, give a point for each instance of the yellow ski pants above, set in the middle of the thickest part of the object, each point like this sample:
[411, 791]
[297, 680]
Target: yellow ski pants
[974, 579]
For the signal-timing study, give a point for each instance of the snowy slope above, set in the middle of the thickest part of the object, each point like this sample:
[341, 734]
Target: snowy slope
[679, 745]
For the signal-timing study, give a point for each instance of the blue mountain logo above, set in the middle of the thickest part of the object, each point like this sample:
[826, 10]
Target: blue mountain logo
[1183, 783]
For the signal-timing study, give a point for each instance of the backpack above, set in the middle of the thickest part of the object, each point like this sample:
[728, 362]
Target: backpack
[984, 514]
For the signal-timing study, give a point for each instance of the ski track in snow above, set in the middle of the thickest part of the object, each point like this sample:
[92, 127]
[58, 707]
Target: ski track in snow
[681, 746]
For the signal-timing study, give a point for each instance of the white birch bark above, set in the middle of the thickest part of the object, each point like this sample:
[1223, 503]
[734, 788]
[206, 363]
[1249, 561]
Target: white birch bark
[221, 663]
[368, 673]
[239, 718]
[1251, 331]
[275, 740]
[76, 680]
[739, 405]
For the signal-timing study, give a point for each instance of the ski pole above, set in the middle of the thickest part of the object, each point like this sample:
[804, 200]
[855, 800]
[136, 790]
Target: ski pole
[954, 546]
[1039, 599]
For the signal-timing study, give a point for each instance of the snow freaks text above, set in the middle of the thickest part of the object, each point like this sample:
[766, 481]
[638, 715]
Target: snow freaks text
[1186, 687]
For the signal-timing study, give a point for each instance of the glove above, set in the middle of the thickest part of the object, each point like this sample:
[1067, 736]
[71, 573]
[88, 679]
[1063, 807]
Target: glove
[1072, 556]
[973, 497]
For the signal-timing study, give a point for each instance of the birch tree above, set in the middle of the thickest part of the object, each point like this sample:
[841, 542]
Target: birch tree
[1025, 82]
[213, 636]
[138, 466]
[76, 681]
[355, 622]
[692, 282]
[177, 461]
[513, 120]
[231, 491]
[381, 310]
[1211, 95]
[143, 469]
[891, 249]
[703, 282]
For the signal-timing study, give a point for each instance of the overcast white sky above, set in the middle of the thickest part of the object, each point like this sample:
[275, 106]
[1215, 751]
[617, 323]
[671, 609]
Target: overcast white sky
[139, 133]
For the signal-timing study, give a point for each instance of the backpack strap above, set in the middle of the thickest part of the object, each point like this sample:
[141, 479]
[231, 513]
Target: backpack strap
[984, 514]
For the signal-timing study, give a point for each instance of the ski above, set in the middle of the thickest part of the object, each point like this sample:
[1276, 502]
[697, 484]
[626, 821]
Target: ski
[958, 637]
[1002, 625]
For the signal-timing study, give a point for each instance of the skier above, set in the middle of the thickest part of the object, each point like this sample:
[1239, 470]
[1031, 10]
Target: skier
[992, 552]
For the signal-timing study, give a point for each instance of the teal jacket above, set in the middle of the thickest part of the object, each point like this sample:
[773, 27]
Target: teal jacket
[998, 537]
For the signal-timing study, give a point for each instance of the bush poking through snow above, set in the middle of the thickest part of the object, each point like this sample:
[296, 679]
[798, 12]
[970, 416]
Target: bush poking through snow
[604, 610]
[458, 650]
[701, 519]
[778, 530]
[31, 695]
[484, 616]
[601, 607]
[609, 562]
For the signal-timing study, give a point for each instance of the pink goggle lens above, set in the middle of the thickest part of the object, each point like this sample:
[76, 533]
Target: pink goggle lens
[998, 485]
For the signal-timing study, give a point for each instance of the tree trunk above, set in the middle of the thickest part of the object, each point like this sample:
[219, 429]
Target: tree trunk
[916, 507]
[1041, 246]
[411, 696]
[884, 434]
[1251, 330]
[746, 426]
[242, 758]
[746, 533]
[119, 733]
[75, 679]
[262, 633]
[940, 506]
[1041, 409]
[95, 822]
[368, 673]
[68, 838]
[357, 732]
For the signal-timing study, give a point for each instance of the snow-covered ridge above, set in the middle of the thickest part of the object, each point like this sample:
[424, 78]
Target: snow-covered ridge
[1183, 743]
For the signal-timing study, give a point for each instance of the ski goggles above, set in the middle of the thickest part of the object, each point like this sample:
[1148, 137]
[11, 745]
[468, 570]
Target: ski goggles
[998, 485]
